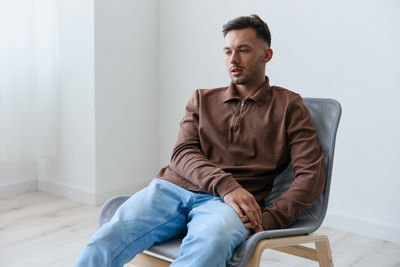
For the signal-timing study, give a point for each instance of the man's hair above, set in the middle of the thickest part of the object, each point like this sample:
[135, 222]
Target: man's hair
[252, 21]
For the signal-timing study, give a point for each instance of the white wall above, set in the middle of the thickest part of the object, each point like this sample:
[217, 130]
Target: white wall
[108, 82]
[347, 50]
[23, 50]
[72, 173]
[126, 49]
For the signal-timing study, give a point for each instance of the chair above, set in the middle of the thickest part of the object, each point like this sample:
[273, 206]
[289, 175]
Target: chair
[325, 114]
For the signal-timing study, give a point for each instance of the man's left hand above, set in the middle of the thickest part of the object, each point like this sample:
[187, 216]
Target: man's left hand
[249, 226]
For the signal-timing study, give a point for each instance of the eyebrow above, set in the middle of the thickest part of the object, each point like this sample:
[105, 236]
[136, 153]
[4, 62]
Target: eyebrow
[240, 46]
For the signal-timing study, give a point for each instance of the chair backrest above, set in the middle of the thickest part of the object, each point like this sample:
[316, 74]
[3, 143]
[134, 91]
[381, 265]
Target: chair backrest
[325, 114]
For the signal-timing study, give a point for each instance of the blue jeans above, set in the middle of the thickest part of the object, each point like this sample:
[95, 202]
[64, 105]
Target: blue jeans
[162, 211]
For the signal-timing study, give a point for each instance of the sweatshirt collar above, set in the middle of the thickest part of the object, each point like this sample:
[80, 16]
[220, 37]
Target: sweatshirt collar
[260, 96]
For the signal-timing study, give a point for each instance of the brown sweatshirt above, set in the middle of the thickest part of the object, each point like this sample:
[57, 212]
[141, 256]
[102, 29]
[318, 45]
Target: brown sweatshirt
[225, 142]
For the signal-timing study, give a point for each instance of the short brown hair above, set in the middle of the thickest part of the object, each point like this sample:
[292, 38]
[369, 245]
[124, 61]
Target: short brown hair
[252, 21]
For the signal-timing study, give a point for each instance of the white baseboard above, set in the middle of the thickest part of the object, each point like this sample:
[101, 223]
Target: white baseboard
[66, 192]
[363, 227]
[89, 198]
[9, 190]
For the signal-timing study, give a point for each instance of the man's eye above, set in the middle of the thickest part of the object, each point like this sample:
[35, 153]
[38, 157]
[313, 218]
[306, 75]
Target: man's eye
[243, 50]
[228, 53]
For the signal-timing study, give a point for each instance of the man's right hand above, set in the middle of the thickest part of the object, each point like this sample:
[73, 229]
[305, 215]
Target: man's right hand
[246, 206]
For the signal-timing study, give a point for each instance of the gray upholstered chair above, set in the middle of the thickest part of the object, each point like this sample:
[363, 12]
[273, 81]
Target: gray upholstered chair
[325, 114]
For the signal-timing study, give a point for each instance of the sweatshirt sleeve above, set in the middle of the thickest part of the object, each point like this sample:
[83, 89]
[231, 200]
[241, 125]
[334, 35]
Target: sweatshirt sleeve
[309, 176]
[189, 161]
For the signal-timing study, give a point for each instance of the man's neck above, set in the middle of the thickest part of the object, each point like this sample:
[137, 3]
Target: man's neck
[247, 90]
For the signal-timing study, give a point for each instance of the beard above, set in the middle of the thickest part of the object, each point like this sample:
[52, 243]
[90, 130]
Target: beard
[254, 72]
[247, 78]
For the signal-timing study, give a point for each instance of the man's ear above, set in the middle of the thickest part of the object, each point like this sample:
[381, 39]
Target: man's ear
[268, 53]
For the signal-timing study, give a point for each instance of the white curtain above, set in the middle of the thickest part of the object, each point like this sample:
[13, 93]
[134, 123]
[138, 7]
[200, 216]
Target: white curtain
[28, 80]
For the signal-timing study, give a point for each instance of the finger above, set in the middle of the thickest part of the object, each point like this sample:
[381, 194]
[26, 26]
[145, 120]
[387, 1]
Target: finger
[248, 226]
[250, 213]
[244, 219]
[257, 210]
[259, 215]
[254, 209]
[237, 209]
[256, 213]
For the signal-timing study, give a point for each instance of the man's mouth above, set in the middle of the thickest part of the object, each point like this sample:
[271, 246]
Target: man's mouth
[236, 71]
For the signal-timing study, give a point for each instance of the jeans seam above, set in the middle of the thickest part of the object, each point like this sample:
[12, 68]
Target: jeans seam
[145, 231]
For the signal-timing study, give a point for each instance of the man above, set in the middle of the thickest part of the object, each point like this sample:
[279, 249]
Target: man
[232, 143]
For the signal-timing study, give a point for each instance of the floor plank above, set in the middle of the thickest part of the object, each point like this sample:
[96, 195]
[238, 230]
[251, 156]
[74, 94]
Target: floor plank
[45, 229]
[39, 229]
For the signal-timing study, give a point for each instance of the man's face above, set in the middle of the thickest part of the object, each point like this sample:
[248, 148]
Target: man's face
[245, 56]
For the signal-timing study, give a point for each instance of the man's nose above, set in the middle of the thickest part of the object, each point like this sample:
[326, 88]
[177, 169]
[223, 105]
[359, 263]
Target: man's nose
[234, 60]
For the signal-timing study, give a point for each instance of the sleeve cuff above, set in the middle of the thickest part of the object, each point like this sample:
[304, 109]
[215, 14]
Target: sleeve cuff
[227, 185]
[269, 222]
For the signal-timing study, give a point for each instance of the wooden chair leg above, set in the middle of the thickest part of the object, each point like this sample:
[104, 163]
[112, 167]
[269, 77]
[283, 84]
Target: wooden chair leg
[322, 254]
[255, 258]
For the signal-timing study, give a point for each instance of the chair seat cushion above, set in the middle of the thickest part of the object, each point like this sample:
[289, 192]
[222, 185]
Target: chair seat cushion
[169, 249]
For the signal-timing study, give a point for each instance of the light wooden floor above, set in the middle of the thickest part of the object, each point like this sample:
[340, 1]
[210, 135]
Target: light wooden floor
[38, 229]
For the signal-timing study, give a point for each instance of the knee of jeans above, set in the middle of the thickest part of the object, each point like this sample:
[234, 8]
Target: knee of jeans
[219, 243]
[226, 233]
